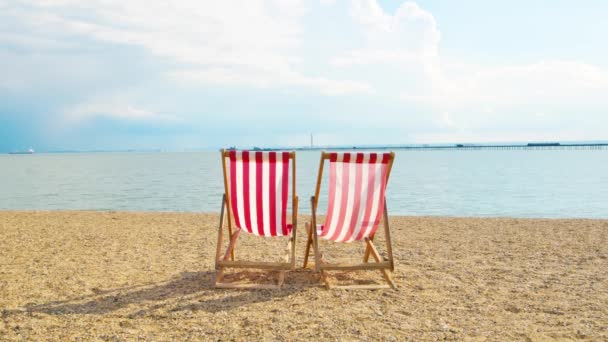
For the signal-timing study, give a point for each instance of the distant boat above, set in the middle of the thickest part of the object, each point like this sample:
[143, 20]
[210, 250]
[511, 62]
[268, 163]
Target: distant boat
[30, 151]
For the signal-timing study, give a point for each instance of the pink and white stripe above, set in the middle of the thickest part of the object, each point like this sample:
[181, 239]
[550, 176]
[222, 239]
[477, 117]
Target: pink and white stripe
[259, 190]
[357, 183]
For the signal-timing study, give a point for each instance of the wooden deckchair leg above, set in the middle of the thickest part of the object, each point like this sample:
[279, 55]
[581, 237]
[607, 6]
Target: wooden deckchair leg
[308, 244]
[313, 227]
[220, 233]
[294, 221]
[367, 250]
[220, 276]
[387, 235]
[373, 250]
[230, 249]
[286, 257]
[376, 255]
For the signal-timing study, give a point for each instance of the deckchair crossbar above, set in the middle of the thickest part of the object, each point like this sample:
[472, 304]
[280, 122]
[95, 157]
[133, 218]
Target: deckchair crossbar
[256, 264]
[362, 266]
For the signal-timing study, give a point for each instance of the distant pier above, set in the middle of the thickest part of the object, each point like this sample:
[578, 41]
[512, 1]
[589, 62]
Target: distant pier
[470, 147]
[530, 146]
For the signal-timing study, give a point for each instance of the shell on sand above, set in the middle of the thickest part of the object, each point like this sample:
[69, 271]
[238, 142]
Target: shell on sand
[149, 276]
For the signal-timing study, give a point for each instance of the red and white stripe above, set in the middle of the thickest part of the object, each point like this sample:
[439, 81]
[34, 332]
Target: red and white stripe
[357, 183]
[259, 189]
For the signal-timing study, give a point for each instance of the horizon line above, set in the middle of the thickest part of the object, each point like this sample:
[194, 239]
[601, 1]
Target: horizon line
[563, 143]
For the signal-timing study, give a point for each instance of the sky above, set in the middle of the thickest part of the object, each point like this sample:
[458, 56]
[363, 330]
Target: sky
[106, 74]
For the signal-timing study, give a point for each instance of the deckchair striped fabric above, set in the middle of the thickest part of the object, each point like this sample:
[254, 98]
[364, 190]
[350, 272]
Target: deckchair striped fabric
[357, 182]
[259, 190]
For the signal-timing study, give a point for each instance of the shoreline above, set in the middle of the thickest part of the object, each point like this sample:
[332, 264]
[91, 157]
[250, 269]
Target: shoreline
[147, 275]
[301, 215]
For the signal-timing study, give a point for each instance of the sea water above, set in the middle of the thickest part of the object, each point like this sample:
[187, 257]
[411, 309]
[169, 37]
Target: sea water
[481, 183]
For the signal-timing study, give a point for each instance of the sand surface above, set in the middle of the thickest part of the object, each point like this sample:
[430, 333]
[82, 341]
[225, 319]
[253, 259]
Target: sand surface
[148, 276]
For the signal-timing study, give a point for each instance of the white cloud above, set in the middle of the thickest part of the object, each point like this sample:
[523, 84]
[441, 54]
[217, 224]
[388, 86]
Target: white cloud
[113, 108]
[362, 57]
[394, 59]
[542, 81]
[446, 120]
[334, 87]
[401, 51]
[254, 37]
[327, 2]
[187, 31]
[556, 82]
[552, 100]
[410, 35]
[226, 76]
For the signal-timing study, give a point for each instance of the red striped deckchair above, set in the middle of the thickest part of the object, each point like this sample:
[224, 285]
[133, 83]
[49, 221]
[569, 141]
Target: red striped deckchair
[355, 208]
[257, 196]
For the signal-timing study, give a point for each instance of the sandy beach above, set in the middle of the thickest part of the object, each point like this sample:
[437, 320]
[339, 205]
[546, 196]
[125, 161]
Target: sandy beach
[148, 276]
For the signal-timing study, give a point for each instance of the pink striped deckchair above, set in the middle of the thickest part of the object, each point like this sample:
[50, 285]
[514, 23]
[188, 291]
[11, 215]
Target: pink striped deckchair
[355, 207]
[257, 196]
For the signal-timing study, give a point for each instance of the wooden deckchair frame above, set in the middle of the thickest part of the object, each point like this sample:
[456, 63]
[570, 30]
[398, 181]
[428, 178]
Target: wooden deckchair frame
[225, 261]
[322, 266]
